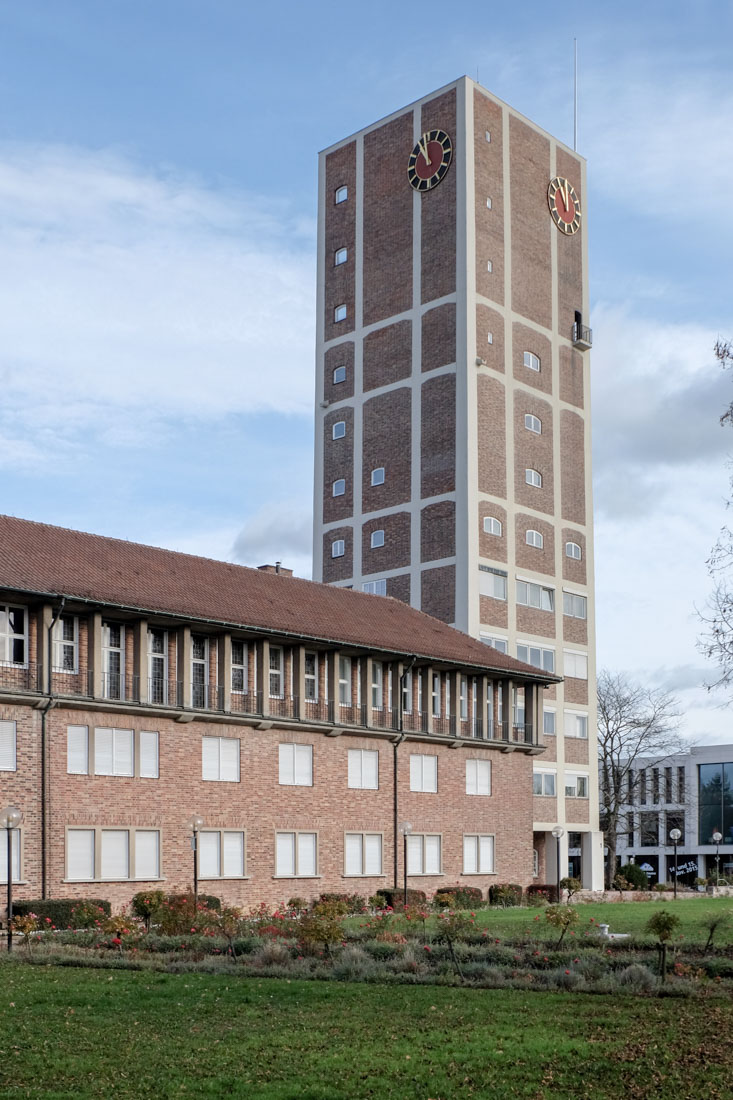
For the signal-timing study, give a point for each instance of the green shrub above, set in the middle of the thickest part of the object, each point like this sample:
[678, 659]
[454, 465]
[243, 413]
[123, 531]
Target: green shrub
[354, 903]
[65, 912]
[562, 917]
[636, 878]
[458, 897]
[571, 884]
[298, 905]
[206, 901]
[146, 903]
[505, 894]
[395, 899]
[541, 893]
[636, 979]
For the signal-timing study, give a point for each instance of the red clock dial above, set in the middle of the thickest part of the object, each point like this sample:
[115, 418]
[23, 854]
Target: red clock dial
[564, 205]
[430, 160]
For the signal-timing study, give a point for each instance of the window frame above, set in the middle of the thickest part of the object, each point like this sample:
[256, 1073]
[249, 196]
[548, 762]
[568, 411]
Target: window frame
[9, 639]
[477, 780]
[543, 651]
[533, 477]
[97, 832]
[533, 423]
[338, 548]
[10, 728]
[572, 656]
[580, 779]
[340, 313]
[538, 539]
[378, 476]
[340, 256]
[334, 426]
[341, 377]
[338, 487]
[351, 759]
[341, 194]
[240, 666]
[544, 594]
[375, 588]
[364, 873]
[422, 757]
[572, 556]
[288, 769]
[221, 833]
[544, 774]
[572, 603]
[423, 838]
[529, 359]
[60, 644]
[376, 535]
[480, 869]
[219, 778]
[579, 720]
[489, 530]
[295, 834]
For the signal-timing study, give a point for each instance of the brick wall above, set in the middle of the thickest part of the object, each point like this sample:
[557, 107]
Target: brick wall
[438, 207]
[387, 220]
[572, 466]
[489, 174]
[387, 355]
[529, 171]
[529, 557]
[386, 442]
[439, 336]
[341, 355]
[438, 437]
[490, 402]
[396, 550]
[338, 569]
[438, 531]
[340, 232]
[438, 592]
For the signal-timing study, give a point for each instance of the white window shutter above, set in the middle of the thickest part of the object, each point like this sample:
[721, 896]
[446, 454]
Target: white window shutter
[124, 752]
[484, 777]
[354, 767]
[414, 855]
[472, 777]
[352, 848]
[372, 854]
[148, 754]
[285, 854]
[232, 855]
[486, 853]
[432, 855]
[209, 757]
[103, 752]
[306, 853]
[208, 853]
[286, 758]
[416, 773]
[14, 856]
[115, 854]
[147, 854]
[304, 765]
[430, 773]
[370, 769]
[229, 756]
[469, 855]
[7, 748]
[77, 750]
[80, 854]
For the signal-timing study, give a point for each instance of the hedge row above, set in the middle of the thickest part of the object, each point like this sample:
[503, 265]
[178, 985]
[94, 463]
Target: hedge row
[65, 912]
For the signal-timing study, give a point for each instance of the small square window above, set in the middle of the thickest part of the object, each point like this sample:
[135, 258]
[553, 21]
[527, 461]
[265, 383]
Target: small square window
[339, 314]
[339, 374]
[378, 476]
[340, 256]
[342, 194]
[338, 548]
[531, 360]
[377, 539]
[339, 429]
[533, 477]
[489, 266]
[488, 204]
[339, 487]
[492, 526]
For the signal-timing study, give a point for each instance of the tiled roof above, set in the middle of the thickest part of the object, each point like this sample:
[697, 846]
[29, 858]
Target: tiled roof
[45, 560]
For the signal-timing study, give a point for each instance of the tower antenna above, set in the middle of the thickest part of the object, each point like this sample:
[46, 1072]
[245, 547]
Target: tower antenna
[575, 94]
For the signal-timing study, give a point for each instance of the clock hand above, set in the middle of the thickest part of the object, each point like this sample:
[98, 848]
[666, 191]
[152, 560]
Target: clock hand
[424, 148]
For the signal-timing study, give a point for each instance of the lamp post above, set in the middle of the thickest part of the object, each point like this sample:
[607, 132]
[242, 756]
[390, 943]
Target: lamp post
[558, 832]
[405, 829]
[717, 837]
[194, 823]
[675, 835]
[10, 818]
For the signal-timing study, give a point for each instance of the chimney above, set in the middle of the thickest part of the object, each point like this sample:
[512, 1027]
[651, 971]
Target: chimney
[276, 568]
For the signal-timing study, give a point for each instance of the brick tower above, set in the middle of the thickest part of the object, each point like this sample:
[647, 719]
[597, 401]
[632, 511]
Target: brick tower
[452, 406]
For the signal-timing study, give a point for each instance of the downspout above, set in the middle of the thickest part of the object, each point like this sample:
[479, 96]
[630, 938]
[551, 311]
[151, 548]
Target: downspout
[395, 746]
[50, 702]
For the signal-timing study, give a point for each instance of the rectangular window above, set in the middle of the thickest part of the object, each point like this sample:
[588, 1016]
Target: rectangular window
[14, 855]
[310, 676]
[377, 539]
[345, 681]
[338, 548]
[377, 685]
[77, 750]
[147, 854]
[535, 595]
[339, 375]
[339, 487]
[531, 361]
[240, 670]
[339, 313]
[575, 606]
[375, 588]
[407, 692]
[478, 855]
[576, 786]
[681, 784]
[378, 476]
[649, 829]
[114, 752]
[339, 430]
[548, 723]
[124, 854]
[158, 666]
[277, 670]
[630, 830]
[655, 786]
[492, 526]
[220, 759]
[536, 656]
[533, 477]
[492, 583]
[66, 644]
[675, 820]
[543, 783]
[424, 854]
[363, 765]
[80, 849]
[478, 777]
[641, 779]
[341, 194]
[8, 761]
[199, 670]
[436, 695]
[113, 660]
[115, 854]
[148, 754]
[221, 853]
[295, 855]
[576, 725]
[423, 773]
[295, 767]
[575, 664]
[363, 854]
[13, 635]
[463, 697]
[501, 645]
[340, 256]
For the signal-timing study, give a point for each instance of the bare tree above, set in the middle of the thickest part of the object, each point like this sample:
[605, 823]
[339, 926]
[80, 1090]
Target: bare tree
[634, 722]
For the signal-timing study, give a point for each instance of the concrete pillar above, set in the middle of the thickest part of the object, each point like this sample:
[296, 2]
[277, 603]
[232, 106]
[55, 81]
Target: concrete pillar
[297, 657]
[263, 675]
[224, 666]
[479, 707]
[94, 661]
[183, 665]
[367, 668]
[454, 702]
[44, 619]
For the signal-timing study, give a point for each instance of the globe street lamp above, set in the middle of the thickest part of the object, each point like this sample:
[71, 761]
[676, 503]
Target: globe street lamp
[10, 818]
[558, 832]
[717, 837]
[675, 836]
[195, 822]
[405, 829]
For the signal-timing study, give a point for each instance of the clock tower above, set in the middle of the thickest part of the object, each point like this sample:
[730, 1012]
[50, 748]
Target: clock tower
[453, 409]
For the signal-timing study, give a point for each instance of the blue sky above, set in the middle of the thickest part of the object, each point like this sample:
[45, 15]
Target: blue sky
[157, 228]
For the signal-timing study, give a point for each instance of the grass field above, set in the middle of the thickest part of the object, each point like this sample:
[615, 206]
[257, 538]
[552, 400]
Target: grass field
[82, 1034]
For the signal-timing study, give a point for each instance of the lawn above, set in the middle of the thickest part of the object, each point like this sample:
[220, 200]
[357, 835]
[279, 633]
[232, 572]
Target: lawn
[75, 1033]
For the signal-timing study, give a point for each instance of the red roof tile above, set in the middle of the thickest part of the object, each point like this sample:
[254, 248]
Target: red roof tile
[41, 559]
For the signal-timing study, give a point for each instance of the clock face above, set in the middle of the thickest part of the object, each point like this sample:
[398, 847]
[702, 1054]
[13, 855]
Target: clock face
[429, 160]
[564, 205]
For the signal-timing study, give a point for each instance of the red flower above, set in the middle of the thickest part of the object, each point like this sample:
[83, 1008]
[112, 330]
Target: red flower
[567, 971]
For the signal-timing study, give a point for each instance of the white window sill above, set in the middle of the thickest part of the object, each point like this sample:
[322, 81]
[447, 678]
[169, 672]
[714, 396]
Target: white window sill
[224, 878]
[76, 881]
[281, 784]
[426, 874]
[476, 874]
[277, 877]
[377, 874]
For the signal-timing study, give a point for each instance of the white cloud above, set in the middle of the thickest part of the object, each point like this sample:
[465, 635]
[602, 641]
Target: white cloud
[140, 294]
[280, 531]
